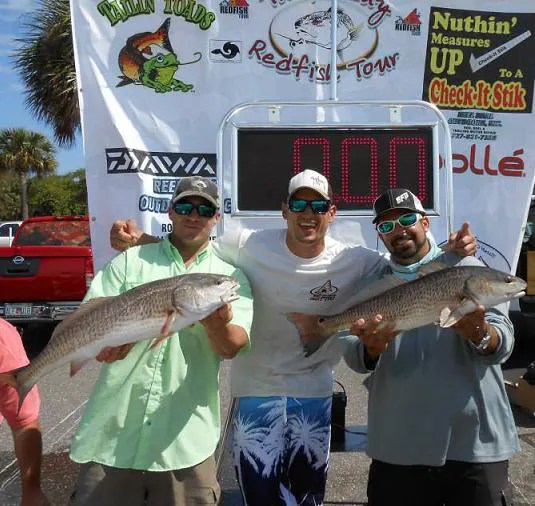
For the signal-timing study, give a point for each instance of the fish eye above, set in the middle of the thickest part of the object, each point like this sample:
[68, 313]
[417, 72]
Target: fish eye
[159, 58]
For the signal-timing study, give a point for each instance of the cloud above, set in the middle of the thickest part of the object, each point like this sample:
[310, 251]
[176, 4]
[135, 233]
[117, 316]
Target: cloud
[18, 87]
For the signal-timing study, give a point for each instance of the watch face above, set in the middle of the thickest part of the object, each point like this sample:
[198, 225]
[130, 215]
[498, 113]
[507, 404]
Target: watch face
[484, 343]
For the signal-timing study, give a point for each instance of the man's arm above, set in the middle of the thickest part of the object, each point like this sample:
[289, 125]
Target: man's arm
[28, 449]
[125, 234]
[226, 338]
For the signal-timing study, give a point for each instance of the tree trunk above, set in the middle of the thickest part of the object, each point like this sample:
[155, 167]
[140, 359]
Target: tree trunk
[24, 195]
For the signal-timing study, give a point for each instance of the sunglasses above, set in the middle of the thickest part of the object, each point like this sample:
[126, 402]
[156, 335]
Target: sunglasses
[405, 220]
[186, 208]
[319, 206]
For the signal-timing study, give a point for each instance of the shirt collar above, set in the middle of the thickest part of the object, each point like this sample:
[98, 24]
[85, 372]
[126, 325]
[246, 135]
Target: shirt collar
[173, 253]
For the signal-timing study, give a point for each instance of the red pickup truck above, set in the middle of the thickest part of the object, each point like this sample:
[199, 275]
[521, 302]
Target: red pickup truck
[47, 270]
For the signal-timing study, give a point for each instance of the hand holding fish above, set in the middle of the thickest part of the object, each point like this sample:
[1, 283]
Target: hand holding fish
[463, 242]
[473, 327]
[111, 354]
[373, 335]
[226, 339]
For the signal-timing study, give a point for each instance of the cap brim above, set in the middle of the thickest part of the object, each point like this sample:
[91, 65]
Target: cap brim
[325, 196]
[196, 194]
[376, 219]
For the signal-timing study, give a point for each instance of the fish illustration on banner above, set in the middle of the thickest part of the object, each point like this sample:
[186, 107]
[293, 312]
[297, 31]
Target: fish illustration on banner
[140, 65]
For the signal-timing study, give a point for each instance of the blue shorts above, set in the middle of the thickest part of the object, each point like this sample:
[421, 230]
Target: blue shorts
[280, 448]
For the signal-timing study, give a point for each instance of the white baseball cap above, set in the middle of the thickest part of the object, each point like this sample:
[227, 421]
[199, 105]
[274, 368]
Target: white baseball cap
[309, 179]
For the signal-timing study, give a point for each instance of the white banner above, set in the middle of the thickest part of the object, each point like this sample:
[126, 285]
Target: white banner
[156, 78]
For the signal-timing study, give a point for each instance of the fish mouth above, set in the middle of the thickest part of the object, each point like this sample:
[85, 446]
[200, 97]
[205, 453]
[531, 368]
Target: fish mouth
[517, 295]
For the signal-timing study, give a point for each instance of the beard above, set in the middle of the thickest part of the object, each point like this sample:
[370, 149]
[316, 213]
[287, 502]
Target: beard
[407, 247]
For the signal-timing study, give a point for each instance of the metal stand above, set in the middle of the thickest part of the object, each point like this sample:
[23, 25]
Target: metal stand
[220, 450]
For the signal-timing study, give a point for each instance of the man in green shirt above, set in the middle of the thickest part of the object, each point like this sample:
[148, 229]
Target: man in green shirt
[152, 422]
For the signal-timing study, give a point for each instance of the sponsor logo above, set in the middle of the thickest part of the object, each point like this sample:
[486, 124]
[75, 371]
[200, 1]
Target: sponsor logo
[300, 45]
[480, 161]
[402, 198]
[327, 291]
[225, 51]
[18, 260]
[127, 161]
[148, 59]
[490, 256]
[239, 7]
[410, 23]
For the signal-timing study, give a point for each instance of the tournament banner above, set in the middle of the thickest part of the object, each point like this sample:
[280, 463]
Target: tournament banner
[156, 78]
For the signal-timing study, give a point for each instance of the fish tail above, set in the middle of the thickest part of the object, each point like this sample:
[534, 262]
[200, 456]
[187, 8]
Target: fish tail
[312, 332]
[22, 385]
[163, 33]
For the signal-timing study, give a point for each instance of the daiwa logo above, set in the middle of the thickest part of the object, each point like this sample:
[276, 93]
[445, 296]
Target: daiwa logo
[327, 291]
[127, 161]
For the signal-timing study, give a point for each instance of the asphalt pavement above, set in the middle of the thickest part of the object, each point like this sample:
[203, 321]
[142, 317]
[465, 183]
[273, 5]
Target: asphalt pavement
[64, 398]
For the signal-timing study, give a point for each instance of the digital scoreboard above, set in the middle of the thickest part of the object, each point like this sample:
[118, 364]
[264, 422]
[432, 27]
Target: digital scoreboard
[359, 162]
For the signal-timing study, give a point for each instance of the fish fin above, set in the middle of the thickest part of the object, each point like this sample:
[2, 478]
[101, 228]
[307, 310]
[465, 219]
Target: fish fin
[311, 333]
[22, 387]
[84, 308]
[165, 331]
[76, 365]
[450, 316]
[374, 289]
[124, 81]
[430, 267]
[169, 320]
[164, 32]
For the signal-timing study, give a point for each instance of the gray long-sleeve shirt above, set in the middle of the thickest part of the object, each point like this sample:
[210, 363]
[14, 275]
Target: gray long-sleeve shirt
[433, 398]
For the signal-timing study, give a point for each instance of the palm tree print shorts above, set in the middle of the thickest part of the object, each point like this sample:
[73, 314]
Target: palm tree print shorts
[280, 448]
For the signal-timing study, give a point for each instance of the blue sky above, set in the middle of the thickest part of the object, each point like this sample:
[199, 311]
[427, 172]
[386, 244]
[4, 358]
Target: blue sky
[13, 112]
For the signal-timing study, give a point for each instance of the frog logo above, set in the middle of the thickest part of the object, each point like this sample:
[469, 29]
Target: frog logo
[140, 65]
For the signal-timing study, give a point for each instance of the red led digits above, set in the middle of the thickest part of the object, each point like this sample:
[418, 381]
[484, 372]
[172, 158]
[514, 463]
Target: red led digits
[307, 141]
[420, 143]
[353, 165]
[345, 196]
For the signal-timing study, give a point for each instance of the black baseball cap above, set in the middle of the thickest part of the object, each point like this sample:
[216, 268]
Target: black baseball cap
[396, 198]
[196, 186]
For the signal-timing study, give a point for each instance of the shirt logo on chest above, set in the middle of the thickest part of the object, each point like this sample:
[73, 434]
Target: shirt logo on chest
[327, 291]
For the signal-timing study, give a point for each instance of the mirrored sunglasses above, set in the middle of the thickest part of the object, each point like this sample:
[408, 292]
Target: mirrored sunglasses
[186, 208]
[405, 220]
[319, 206]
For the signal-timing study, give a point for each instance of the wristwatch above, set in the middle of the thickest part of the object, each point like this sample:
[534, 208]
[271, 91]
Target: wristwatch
[483, 344]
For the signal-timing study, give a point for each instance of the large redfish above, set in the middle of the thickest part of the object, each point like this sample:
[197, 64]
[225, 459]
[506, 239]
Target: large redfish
[156, 309]
[442, 297]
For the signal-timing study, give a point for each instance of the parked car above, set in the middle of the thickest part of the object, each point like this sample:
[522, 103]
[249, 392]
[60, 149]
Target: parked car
[46, 271]
[7, 232]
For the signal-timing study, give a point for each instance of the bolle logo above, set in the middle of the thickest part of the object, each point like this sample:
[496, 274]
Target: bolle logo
[483, 163]
[18, 260]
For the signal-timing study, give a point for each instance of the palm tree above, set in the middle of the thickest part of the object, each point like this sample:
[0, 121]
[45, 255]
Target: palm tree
[45, 62]
[23, 153]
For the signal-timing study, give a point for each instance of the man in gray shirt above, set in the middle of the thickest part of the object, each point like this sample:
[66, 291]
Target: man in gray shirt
[440, 428]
